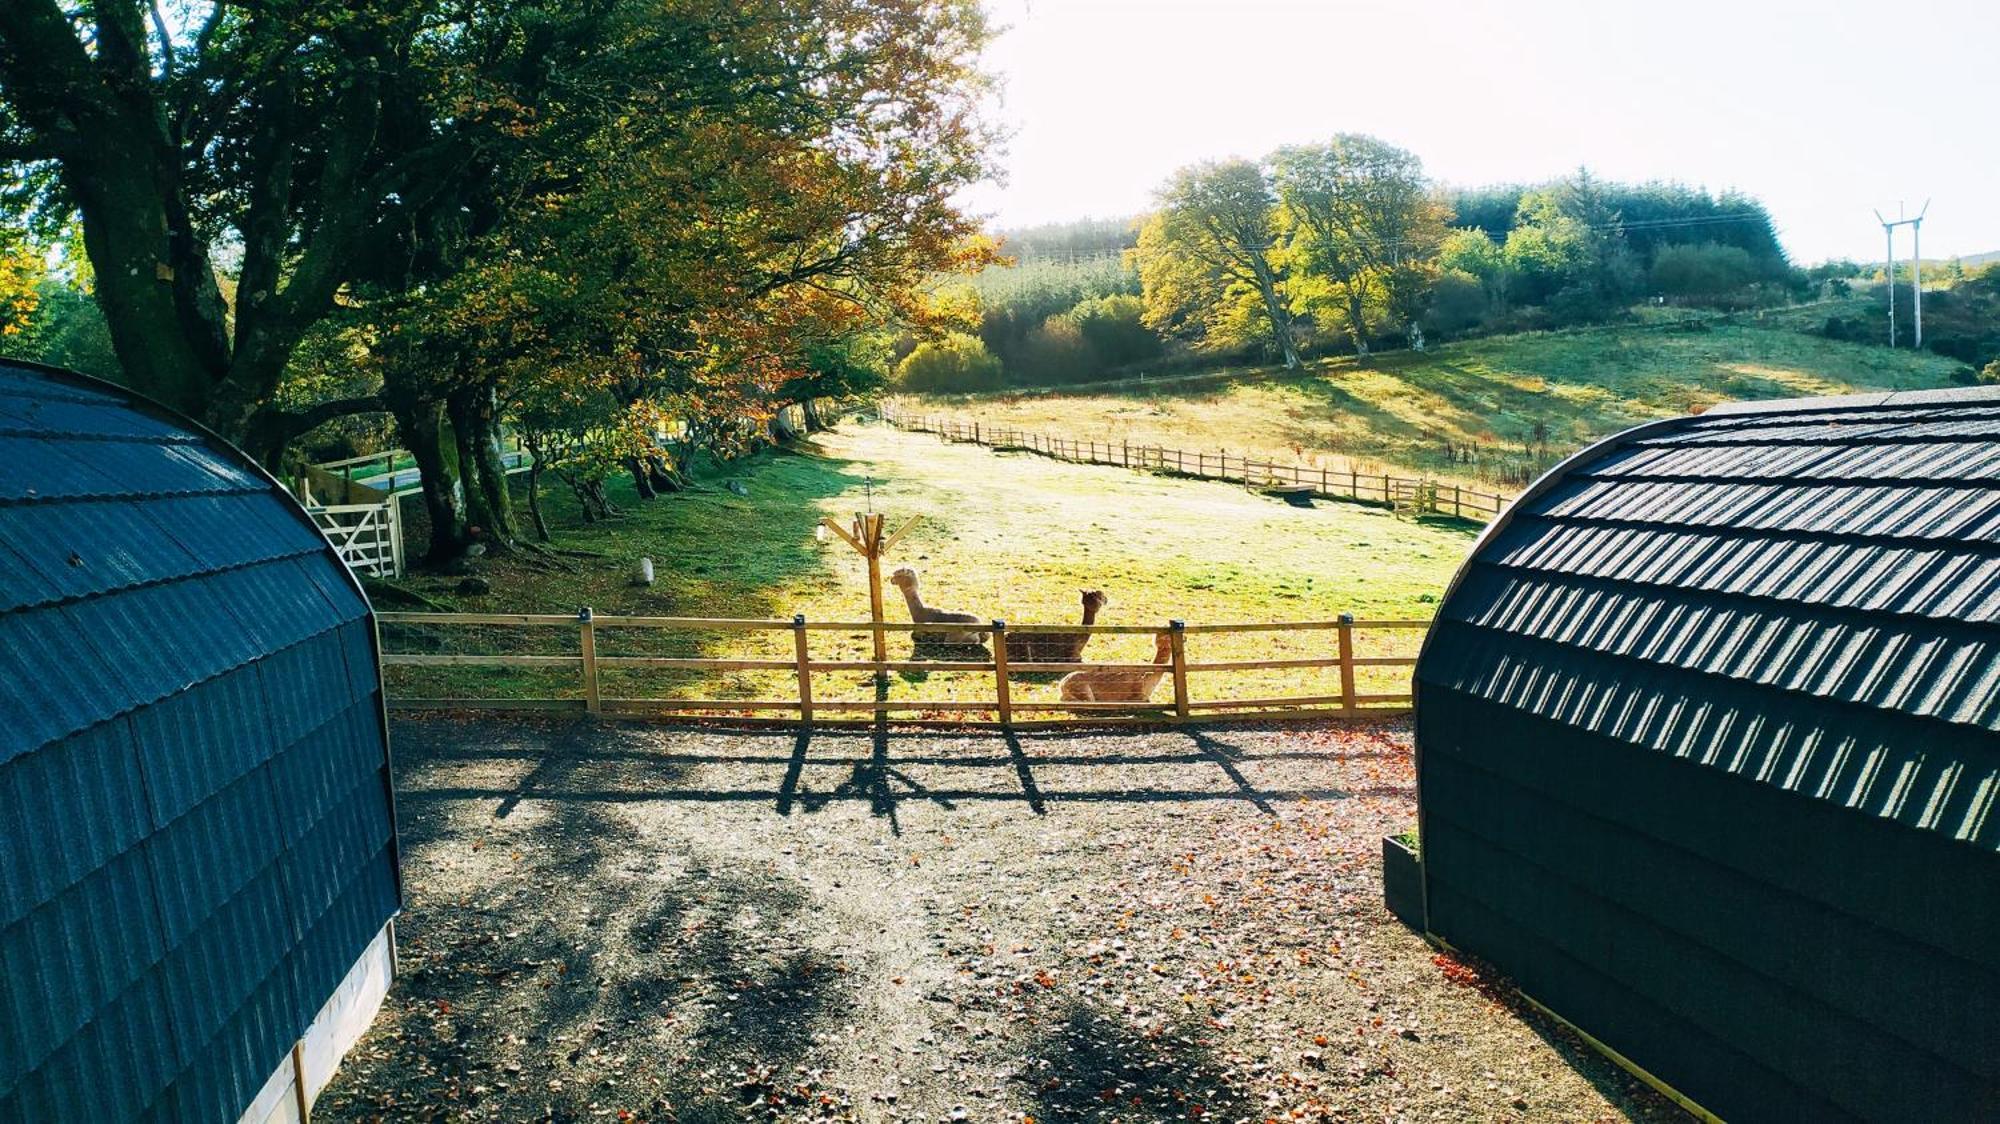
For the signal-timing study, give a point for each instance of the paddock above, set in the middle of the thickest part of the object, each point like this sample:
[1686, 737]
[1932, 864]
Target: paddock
[610, 917]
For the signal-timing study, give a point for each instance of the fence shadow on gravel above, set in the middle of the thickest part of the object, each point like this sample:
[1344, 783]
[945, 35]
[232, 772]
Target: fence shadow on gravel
[579, 762]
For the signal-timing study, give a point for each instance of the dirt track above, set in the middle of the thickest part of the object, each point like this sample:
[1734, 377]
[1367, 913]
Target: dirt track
[627, 921]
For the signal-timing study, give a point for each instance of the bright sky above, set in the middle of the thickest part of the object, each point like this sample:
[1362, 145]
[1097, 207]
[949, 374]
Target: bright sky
[1824, 109]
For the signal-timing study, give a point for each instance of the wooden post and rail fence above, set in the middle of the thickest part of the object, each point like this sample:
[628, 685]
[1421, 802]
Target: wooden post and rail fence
[805, 704]
[1403, 493]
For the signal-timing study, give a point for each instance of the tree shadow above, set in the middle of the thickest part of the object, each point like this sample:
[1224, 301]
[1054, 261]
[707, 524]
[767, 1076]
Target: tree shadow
[1095, 1064]
[586, 959]
[557, 960]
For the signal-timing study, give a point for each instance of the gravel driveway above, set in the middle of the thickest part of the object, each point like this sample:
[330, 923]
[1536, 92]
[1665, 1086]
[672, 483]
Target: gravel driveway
[629, 921]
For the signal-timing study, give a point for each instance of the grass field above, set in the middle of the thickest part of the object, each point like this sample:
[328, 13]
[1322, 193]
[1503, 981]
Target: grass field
[1482, 412]
[1008, 536]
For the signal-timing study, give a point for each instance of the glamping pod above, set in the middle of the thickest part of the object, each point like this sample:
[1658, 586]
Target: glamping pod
[1708, 739]
[197, 852]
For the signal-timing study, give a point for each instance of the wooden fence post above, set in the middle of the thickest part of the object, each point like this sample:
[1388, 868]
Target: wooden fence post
[1177, 636]
[1002, 697]
[1347, 701]
[587, 642]
[799, 650]
[871, 529]
[301, 1096]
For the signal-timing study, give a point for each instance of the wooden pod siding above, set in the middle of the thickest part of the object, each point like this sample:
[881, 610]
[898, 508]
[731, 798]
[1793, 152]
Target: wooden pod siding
[197, 850]
[1708, 736]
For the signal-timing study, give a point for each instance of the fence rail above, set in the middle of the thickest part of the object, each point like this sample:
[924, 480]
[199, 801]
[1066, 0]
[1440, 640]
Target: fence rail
[1002, 706]
[1402, 493]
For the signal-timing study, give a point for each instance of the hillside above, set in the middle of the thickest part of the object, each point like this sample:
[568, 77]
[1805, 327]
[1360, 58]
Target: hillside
[1483, 412]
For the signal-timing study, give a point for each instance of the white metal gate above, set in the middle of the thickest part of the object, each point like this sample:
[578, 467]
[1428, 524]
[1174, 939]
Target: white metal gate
[369, 536]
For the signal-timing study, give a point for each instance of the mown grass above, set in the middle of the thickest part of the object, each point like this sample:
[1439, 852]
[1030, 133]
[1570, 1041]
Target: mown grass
[1481, 412]
[1009, 536]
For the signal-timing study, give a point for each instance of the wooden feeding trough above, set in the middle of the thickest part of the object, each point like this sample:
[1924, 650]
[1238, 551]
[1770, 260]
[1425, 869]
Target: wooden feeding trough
[1298, 495]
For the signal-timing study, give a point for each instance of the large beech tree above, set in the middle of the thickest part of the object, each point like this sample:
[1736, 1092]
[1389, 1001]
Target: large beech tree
[242, 169]
[262, 135]
[1365, 223]
[1210, 257]
[687, 259]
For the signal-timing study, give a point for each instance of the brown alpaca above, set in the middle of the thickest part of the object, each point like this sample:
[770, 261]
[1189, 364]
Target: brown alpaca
[1056, 647]
[1104, 684]
[905, 579]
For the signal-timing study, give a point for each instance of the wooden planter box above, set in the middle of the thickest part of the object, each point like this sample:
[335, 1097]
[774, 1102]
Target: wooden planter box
[1403, 882]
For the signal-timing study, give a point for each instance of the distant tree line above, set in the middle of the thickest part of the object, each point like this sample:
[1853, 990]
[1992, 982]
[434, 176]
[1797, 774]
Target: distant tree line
[1347, 246]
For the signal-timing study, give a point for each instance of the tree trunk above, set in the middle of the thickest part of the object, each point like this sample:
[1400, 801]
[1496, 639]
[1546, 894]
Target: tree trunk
[125, 238]
[1274, 308]
[663, 477]
[475, 419]
[642, 478]
[782, 432]
[540, 524]
[589, 497]
[1357, 320]
[814, 422]
[99, 113]
[582, 501]
[463, 435]
[535, 518]
[423, 434]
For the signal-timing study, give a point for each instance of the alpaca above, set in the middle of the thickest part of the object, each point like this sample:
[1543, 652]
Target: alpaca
[1103, 684]
[905, 579]
[1057, 647]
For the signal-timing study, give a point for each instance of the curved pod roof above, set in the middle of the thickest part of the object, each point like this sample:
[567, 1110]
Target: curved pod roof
[1803, 592]
[193, 761]
[1708, 735]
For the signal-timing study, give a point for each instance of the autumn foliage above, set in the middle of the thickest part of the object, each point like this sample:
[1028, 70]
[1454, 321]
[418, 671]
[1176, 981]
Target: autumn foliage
[637, 228]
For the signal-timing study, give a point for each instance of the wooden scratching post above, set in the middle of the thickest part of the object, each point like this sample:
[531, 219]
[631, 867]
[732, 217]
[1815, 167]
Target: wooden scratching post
[865, 535]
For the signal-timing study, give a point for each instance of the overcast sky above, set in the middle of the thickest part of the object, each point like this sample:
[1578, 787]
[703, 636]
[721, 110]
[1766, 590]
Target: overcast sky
[1823, 110]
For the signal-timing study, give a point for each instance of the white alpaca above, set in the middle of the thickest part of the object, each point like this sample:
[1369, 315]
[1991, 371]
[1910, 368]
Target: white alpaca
[1109, 684]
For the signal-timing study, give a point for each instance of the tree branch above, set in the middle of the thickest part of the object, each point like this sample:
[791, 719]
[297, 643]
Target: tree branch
[165, 35]
[46, 74]
[272, 429]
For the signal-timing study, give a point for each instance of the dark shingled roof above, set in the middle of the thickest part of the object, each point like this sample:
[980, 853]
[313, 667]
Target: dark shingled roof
[1803, 592]
[1708, 743]
[193, 763]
